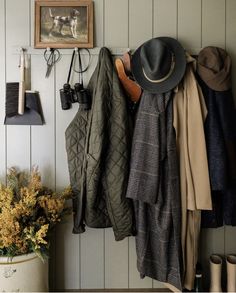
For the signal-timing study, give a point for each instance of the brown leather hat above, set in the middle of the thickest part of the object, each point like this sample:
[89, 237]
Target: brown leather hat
[214, 68]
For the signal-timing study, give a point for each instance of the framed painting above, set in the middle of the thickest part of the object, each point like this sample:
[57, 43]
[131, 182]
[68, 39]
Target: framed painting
[63, 24]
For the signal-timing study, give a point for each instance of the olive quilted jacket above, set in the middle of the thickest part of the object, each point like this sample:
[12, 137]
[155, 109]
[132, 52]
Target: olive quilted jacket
[98, 147]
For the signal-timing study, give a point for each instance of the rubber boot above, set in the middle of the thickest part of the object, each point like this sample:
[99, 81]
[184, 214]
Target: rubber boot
[231, 273]
[215, 273]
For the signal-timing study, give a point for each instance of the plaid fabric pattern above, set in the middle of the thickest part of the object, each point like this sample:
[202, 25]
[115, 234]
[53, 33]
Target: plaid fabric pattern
[154, 187]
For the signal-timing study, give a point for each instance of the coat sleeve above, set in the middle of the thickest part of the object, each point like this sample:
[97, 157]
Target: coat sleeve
[189, 116]
[115, 177]
[198, 172]
[227, 116]
[75, 145]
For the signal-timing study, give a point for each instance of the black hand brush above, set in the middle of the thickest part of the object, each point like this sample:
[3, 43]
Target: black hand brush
[12, 93]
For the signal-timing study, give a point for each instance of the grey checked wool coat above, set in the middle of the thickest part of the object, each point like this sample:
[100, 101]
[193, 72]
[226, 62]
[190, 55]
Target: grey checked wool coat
[154, 187]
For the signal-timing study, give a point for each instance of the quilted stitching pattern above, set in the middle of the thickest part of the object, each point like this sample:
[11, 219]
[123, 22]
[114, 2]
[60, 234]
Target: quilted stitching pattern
[98, 155]
[75, 144]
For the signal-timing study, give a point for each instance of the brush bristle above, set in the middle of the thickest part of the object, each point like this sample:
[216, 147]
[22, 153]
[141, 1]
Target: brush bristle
[12, 91]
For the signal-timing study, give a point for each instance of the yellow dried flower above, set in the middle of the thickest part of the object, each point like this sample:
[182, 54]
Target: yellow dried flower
[27, 212]
[53, 206]
[6, 196]
[38, 237]
[28, 196]
[10, 228]
[21, 210]
[35, 180]
[67, 192]
[41, 234]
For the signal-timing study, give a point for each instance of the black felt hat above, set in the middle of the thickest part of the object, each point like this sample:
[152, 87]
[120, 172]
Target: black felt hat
[159, 64]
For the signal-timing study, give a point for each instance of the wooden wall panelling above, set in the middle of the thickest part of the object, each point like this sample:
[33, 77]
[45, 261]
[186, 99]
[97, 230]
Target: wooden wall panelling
[116, 261]
[67, 261]
[230, 245]
[230, 232]
[31, 3]
[213, 23]
[2, 92]
[140, 22]
[211, 242]
[189, 23]
[230, 38]
[43, 137]
[92, 259]
[17, 34]
[98, 23]
[165, 18]
[116, 23]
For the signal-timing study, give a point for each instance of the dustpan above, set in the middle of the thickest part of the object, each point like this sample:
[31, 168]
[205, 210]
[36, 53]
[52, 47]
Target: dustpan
[33, 114]
[23, 107]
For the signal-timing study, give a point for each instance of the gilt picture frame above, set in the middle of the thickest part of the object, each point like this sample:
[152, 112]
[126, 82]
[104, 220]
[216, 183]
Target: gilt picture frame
[63, 24]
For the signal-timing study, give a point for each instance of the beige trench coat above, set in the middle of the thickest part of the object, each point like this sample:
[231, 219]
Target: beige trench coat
[189, 112]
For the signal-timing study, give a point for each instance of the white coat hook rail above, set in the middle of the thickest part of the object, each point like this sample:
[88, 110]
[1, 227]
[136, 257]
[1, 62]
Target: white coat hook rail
[95, 51]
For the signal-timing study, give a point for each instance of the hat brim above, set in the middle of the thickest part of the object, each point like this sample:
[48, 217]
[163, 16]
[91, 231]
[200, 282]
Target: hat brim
[173, 80]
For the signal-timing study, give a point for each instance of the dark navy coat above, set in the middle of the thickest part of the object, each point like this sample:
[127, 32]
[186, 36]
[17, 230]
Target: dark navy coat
[220, 134]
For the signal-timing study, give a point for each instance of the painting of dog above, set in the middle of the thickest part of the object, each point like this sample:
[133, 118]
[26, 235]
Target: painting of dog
[63, 26]
[59, 21]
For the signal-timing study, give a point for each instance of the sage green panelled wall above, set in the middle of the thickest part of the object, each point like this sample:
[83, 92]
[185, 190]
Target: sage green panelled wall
[94, 260]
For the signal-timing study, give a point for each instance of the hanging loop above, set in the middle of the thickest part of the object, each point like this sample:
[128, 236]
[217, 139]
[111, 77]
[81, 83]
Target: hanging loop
[81, 70]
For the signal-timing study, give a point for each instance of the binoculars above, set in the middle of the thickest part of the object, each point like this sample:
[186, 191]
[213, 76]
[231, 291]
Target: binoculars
[79, 95]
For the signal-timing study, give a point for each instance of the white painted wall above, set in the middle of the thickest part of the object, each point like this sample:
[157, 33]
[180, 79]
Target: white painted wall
[94, 260]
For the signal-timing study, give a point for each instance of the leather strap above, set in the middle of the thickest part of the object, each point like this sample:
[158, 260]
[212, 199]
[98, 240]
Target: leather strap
[71, 64]
[81, 70]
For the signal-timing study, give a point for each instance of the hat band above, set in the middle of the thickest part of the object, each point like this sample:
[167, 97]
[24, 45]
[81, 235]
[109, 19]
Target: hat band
[165, 77]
